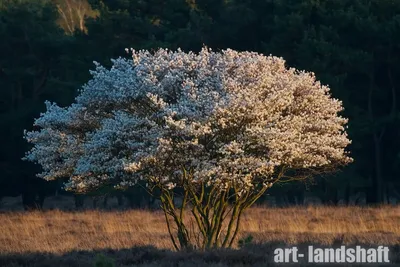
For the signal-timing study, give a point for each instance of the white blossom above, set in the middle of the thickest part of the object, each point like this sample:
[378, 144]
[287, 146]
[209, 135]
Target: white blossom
[229, 117]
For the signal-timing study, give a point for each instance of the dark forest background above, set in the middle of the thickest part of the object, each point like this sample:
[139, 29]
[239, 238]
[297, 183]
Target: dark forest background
[48, 46]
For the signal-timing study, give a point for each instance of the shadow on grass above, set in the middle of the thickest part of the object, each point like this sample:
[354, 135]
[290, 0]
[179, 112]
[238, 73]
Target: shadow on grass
[250, 255]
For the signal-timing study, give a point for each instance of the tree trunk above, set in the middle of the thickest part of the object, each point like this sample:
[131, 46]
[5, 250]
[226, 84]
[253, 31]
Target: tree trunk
[94, 202]
[347, 194]
[378, 168]
[120, 200]
[79, 200]
[105, 202]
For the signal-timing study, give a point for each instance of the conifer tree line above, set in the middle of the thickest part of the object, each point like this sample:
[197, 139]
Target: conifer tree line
[48, 46]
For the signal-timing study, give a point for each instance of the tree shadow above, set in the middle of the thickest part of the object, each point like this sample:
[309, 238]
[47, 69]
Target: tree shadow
[148, 256]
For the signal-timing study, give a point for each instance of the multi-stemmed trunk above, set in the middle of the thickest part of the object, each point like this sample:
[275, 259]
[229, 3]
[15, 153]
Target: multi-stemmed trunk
[215, 214]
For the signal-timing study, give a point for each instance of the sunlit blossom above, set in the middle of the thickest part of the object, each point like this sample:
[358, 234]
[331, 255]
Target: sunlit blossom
[227, 117]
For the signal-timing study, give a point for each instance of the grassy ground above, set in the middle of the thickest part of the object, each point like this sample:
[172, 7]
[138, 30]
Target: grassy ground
[140, 238]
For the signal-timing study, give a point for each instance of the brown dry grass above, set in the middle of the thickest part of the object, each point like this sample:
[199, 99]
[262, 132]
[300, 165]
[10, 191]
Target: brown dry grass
[60, 232]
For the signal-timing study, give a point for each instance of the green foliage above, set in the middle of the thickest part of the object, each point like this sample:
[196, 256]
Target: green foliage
[103, 261]
[37, 62]
[245, 241]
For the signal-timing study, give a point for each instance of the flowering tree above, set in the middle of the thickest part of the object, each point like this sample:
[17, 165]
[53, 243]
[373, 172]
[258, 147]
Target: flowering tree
[222, 127]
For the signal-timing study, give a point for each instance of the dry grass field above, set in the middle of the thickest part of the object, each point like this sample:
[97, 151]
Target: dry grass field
[140, 237]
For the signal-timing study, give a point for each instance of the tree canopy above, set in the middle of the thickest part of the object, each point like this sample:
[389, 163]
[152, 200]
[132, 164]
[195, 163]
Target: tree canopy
[221, 126]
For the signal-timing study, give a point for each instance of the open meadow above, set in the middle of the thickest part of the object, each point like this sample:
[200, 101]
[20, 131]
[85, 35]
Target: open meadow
[140, 237]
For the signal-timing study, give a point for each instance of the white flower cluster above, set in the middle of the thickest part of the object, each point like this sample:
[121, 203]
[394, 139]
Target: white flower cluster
[226, 118]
